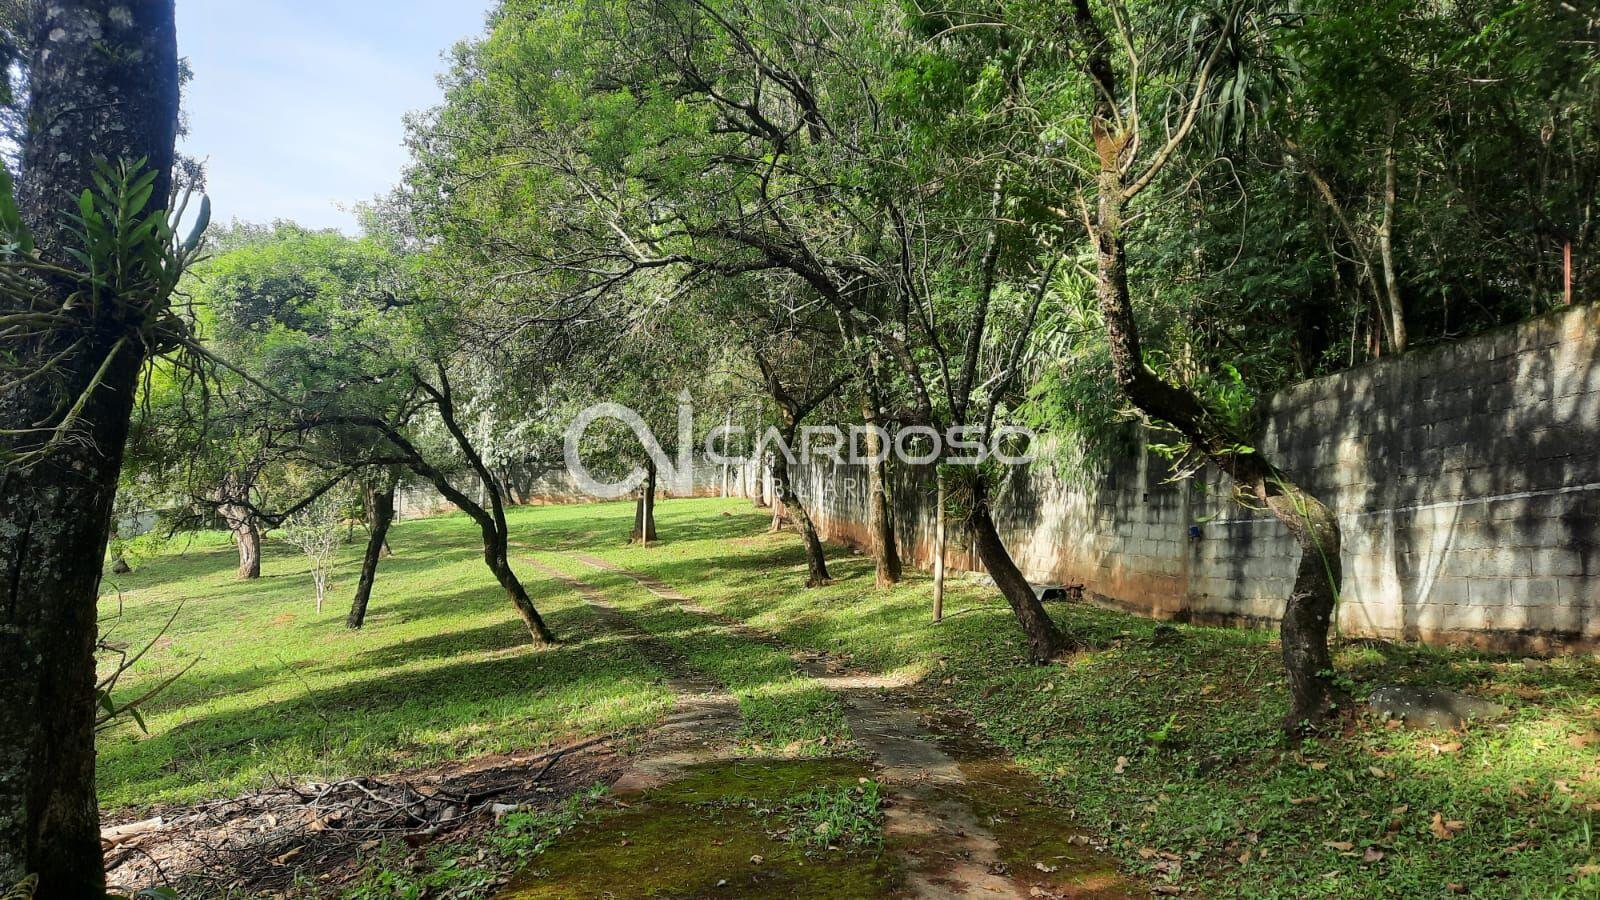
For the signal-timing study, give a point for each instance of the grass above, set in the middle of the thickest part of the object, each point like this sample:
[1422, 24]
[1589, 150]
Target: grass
[442, 671]
[1170, 750]
[1166, 750]
[783, 711]
[834, 816]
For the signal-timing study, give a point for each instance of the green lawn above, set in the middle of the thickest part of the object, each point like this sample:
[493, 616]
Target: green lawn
[1167, 750]
[1192, 726]
[441, 671]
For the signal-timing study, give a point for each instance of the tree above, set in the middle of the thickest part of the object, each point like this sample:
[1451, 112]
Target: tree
[1112, 100]
[731, 140]
[378, 502]
[796, 398]
[316, 532]
[345, 353]
[102, 87]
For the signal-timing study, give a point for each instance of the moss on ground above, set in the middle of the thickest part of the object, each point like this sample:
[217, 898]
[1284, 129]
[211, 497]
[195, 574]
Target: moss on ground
[718, 832]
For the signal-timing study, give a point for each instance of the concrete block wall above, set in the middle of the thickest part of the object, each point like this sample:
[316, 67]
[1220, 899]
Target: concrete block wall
[1466, 478]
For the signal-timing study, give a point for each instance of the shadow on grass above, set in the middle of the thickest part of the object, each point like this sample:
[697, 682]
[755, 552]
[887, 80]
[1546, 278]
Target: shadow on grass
[396, 718]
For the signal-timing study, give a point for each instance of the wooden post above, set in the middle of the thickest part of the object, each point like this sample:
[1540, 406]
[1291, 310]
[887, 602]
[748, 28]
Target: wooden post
[725, 457]
[938, 551]
[1566, 270]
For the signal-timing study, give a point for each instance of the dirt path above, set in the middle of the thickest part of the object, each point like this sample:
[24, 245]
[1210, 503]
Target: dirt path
[704, 719]
[933, 824]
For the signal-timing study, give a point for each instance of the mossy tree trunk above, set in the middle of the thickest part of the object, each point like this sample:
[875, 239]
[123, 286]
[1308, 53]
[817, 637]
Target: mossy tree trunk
[102, 84]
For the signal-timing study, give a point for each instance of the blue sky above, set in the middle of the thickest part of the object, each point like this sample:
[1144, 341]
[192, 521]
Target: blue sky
[296, 106]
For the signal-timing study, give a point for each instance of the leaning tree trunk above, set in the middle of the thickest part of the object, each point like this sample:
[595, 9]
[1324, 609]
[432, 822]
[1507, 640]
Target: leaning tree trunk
[1044, 641]
[1308, 614]
[380, 514]
[102, 84]
[816, 559]
[644, 511]
[496, 556]
[500, 565]
[880, 522]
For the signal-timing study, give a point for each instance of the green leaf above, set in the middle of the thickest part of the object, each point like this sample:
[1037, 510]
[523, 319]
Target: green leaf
[201, 222]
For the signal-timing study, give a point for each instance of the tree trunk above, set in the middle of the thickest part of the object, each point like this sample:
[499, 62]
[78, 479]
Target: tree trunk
[119, 563]
[518, 595]
[1308, 613]
[492, 522]
[644, 511]
[880, 522]
[102, 83]
[758, 485]
[1391, 278]
[232, 505]
[248, 536]
[380, 515]
[816, 559]
[1308, 616]
[1044, 641]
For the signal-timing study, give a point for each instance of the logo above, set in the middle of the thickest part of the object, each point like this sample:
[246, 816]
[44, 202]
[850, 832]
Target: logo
[960, 445]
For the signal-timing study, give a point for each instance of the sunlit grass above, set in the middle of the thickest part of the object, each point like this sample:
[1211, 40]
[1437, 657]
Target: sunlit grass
[1192, 725]
[1155, 747]
[442, 671]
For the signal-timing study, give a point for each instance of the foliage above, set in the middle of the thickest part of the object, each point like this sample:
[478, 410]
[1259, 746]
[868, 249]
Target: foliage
[129, 263]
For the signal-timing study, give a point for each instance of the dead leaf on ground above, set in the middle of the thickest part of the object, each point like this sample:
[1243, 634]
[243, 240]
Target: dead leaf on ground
[1341, 846]
[1444, 829]
[1372, 855]
[1449, 747]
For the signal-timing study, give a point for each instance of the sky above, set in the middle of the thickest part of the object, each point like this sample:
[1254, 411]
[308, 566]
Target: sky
[296, 106]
